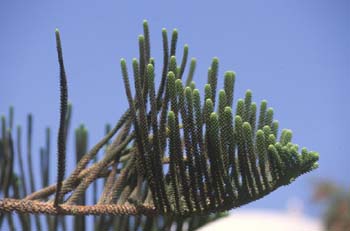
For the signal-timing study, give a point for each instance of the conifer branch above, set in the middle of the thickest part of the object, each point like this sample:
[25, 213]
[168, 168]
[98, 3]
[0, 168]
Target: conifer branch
[61, 142]
[217, 158]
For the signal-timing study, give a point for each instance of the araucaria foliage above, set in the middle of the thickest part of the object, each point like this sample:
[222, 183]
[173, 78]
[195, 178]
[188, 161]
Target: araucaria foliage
[174, 152]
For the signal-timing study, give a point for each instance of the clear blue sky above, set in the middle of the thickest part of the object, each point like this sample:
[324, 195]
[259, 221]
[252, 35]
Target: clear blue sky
[295, 54]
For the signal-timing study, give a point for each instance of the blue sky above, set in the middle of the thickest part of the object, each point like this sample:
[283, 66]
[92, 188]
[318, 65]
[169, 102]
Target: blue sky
[295, 54]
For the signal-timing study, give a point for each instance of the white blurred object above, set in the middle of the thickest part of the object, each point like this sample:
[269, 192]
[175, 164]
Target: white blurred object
[267, 220]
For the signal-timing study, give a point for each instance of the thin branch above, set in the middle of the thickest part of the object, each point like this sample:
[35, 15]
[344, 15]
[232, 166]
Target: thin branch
[61, 140]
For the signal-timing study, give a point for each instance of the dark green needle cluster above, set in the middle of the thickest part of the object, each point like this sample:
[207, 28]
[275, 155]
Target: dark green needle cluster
[176, 155]
[218, 159]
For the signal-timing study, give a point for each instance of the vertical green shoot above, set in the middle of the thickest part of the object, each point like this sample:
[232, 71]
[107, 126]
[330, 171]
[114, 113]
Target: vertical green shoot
[61, 140]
